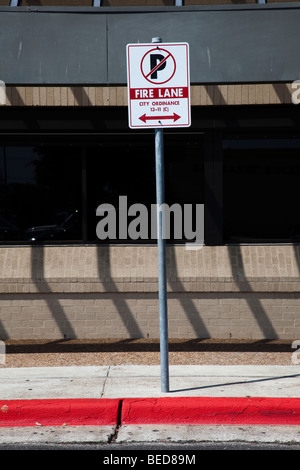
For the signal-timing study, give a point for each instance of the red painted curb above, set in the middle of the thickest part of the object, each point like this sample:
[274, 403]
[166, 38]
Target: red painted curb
[58, 412]
[227, 410]
[179, 410]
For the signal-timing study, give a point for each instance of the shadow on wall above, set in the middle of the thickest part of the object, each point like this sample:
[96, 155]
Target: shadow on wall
[255, 305]
[38, 277]
[126, 315]
[215, 94]
[81, 97]
[238, 274]
[187, 304]
[281, 90]
[3, 333]
[54, 306]
[193, 316]
[104, 273]
[110, 286]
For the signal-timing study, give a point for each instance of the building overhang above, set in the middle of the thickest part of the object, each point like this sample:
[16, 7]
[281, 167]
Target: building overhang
[250, 43]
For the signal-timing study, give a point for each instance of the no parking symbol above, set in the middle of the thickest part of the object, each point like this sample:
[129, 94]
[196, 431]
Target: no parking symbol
[158, 85]
[158, 66]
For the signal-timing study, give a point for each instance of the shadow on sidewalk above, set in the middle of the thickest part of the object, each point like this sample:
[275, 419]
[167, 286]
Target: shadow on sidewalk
[240, 382]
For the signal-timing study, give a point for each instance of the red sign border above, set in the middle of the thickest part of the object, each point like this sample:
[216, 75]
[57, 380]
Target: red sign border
[148, 126]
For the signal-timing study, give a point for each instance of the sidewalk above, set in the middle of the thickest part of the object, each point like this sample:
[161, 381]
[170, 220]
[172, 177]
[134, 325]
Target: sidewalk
[109, 392]
[131, 395]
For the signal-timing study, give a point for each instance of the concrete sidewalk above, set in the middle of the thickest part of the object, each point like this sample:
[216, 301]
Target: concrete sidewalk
[132, 395]
[143, 381]
[59, 402]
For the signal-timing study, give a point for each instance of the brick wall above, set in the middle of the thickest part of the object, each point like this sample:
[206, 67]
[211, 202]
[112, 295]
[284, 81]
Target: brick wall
[90, 292]
[201, 95]
[111, 292]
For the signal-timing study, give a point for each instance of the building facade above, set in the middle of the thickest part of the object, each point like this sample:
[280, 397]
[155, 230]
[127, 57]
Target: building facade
[66, 147]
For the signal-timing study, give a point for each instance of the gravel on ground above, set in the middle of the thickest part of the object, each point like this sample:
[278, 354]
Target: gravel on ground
[99, 352]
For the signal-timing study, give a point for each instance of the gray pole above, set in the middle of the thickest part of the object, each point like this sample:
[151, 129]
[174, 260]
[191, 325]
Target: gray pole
[162, 281]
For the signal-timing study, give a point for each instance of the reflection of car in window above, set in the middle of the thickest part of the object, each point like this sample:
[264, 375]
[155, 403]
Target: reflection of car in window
[68, 229]
[8, 231]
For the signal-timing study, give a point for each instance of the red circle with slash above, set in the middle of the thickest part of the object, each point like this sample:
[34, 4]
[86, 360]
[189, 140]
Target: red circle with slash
[158, 66]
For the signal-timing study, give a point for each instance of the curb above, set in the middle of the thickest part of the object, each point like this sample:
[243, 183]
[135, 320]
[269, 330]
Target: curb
[133, 411]
[59, 412]
[227, 410]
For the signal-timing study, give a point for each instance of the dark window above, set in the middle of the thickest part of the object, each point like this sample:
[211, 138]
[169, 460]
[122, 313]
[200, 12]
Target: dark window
[261, 190]
[50, 192]
[125, 166]
[58, 165]
[40, 189]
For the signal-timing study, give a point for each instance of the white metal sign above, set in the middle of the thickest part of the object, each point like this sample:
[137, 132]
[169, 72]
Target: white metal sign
[158, 83]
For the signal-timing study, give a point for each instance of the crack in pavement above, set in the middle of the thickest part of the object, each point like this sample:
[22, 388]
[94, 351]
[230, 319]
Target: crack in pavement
[104, 383]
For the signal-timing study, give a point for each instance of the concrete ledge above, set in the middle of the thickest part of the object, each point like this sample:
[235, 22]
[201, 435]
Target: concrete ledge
[103, 269]
[201, 95]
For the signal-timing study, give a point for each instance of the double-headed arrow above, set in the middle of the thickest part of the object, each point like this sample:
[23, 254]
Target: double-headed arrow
[145, 118]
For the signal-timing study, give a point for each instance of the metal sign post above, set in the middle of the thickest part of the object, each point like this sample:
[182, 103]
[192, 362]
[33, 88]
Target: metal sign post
[159, 96]
[161, 245]
[162, 278]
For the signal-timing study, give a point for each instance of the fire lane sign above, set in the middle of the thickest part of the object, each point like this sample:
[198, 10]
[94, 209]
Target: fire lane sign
[158, 84]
